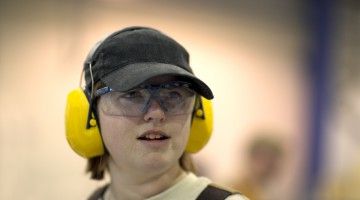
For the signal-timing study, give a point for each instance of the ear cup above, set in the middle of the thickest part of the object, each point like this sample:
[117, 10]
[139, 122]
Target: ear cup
[201, 127]
[84, 141]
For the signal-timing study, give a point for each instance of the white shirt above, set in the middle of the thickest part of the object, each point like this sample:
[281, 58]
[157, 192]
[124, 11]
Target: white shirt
[189, 188]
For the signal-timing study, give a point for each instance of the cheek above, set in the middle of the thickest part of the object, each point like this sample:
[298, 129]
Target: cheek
[181, 129]
[116, 133]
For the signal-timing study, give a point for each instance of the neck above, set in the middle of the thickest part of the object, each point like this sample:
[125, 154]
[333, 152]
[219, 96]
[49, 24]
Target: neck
[141, 185]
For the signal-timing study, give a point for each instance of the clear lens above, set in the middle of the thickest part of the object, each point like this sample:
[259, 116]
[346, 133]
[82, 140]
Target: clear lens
[172, 100]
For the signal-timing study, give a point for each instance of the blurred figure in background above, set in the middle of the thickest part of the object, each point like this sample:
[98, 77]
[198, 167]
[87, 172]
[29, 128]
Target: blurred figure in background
[263, 161]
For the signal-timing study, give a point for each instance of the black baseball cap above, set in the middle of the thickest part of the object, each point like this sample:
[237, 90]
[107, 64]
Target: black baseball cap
[130, 56]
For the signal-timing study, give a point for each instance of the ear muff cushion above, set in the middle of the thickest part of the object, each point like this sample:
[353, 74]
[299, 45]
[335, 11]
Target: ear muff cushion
[84, 141]
[201, 127]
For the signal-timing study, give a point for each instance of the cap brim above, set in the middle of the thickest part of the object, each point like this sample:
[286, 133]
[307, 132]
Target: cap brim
[133, 75]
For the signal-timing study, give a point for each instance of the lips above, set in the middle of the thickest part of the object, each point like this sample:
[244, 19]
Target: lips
[153, 135]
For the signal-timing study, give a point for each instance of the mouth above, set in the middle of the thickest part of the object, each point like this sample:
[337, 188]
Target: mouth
[153, 135]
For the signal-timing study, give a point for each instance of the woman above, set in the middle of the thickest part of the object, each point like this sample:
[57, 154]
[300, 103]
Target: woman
[144, 99]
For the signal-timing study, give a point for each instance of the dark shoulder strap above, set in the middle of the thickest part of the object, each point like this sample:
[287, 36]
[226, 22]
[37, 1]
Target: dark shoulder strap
[212, 192]
[98, 194]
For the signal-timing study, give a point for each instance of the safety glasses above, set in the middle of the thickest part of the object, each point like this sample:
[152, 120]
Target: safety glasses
[174, 98]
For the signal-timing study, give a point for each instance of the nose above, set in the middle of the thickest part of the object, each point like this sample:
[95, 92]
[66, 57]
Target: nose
[154, 112]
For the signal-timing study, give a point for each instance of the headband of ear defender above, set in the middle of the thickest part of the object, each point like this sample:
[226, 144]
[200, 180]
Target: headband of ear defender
[82, 129]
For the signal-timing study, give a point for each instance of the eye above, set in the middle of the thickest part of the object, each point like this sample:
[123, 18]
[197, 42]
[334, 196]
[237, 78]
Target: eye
[132, 95]
[171, 95]
[174, 95]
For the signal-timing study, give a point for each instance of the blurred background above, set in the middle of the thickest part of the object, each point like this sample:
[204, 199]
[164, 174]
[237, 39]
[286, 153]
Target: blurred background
[285, 75]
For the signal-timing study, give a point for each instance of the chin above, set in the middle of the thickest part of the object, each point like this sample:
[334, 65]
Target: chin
[158, 161]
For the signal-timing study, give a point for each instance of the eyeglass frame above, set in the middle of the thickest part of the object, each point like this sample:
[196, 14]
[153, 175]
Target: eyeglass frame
[153, 91]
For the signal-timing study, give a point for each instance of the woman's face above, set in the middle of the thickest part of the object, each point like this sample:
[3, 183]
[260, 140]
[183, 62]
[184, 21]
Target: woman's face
[154, 140]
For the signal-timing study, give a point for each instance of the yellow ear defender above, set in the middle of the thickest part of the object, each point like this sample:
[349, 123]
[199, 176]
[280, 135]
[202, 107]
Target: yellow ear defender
[87, 142]
[201, 127]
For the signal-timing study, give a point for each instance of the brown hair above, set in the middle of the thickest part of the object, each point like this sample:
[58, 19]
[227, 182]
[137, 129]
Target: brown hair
[97, 166]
